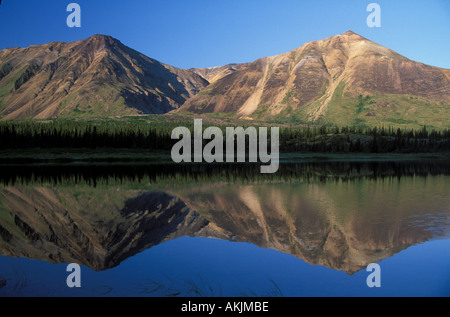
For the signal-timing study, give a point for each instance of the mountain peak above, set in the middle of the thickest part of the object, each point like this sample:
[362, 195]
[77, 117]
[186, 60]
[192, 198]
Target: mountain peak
[349, 32]
[352, 36]
[101, 37]
[95, 77]
[305, 84]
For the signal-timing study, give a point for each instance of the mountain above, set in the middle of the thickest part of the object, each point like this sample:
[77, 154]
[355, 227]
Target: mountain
[98, 229]
[213, 74]
[96, 77]
[322, 225]
[103, 226]
[343, 79]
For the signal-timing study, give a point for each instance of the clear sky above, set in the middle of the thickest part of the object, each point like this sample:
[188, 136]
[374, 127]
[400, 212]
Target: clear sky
[203, 33]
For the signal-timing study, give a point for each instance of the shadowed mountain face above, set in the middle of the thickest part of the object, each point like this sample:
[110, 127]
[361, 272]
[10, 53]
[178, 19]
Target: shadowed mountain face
[338, 79]
[96, 228]
[343, 226]
[96, 77]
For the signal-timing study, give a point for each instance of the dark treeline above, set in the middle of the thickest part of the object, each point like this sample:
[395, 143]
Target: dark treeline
[79, 134]
[157, 136]
[94, 175]
[366, 140]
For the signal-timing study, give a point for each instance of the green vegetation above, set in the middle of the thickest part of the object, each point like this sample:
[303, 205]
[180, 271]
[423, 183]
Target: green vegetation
[5, 70]
[98, 105]
[287, 97]
[269, 72]
[206, 91]
[76, 110]
[154, 133]
[220, 115]
[362, 102]
[260, 111]
[26, 75]
[400, 111]
[6, 89]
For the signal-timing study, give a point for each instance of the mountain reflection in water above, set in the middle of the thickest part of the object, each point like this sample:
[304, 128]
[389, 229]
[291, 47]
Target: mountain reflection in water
[339, 215]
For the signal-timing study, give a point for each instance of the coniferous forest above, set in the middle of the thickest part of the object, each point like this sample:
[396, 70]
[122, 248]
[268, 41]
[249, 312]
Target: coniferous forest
[61, 134]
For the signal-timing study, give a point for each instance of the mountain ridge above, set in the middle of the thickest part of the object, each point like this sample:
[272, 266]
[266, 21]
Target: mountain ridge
[344, 79]
[102, 227]
[95, 76]
[305, 83]
[213, 74]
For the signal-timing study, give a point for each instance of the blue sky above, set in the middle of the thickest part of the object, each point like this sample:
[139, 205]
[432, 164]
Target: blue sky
[203, 33]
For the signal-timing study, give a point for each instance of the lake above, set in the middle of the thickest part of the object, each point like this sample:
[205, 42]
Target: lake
[145, 229]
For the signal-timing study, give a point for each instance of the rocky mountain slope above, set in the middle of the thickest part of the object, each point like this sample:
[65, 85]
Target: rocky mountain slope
[213, 74]
[98, 229]
[101, 227]
[96, 77]
[344, 79]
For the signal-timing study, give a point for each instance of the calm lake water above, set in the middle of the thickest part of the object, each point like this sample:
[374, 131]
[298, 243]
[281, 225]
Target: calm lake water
[148, 230]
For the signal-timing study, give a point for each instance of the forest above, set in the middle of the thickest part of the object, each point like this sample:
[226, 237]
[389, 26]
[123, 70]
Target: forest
[156, 135]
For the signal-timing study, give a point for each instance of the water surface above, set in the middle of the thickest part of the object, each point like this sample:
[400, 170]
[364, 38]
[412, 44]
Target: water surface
[310, 230]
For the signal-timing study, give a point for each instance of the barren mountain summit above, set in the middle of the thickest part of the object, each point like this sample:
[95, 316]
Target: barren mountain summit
[341, 79]
[98, 76]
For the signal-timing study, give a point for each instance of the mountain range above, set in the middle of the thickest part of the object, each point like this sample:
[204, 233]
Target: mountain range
[101, 227]
[345, 79]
